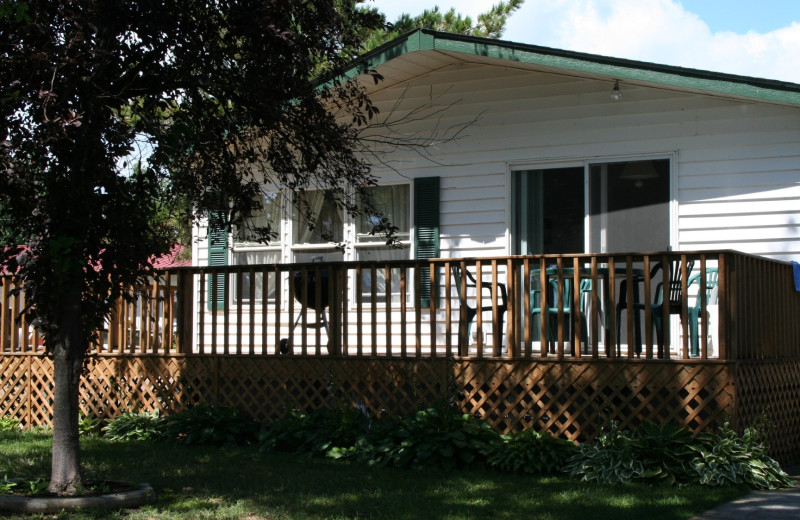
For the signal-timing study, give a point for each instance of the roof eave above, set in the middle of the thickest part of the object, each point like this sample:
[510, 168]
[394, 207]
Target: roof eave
[581, 63]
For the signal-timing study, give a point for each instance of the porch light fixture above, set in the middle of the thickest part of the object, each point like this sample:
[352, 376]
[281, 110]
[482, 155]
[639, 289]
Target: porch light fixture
[616, 94]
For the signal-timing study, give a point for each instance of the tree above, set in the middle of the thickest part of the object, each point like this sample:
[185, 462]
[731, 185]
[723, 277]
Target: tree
[490, 24]
[111, 110]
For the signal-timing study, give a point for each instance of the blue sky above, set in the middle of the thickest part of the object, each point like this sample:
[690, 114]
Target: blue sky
[753, 38]
[745, 15]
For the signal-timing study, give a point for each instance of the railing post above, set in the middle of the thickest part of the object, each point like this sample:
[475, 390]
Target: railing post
[185, 312]
[5, 321]
[336, 294]
[726, 302]
[512, 316]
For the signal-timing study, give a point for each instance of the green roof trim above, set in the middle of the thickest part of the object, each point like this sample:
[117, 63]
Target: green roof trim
[617, 68]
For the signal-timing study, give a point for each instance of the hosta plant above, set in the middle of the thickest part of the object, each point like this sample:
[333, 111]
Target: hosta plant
[610, 460]
[88, 425]
[728, 458]
[531, 452]
[670, 454]
[442, 438]
[332, 433]
[8, 423]
[134, 426]
[211, 425]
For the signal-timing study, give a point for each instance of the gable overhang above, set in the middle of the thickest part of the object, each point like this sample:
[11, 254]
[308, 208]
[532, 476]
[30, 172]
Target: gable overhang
[423, 51]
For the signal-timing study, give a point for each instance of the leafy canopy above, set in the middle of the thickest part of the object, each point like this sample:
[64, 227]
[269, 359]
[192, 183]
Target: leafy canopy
[490, 24]
[112, 110]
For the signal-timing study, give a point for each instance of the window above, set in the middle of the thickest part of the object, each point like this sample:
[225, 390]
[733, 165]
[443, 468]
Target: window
[317, 218]
[249, 248]
[393, 203]
[390, 202]
[317, 221]
[610, 207]
[253, 232]
[629, 206]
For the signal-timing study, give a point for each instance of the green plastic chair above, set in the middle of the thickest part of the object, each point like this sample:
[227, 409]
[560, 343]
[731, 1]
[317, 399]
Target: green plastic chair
[712, 276]
[551, 306]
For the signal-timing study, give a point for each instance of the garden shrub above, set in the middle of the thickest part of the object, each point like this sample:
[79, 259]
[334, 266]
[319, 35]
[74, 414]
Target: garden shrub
[531, 452]
[330, 433]
[610, 460]
[670, 454]
[211, 425]
[436, 437]
[88, 425]
[727, 458]
[134, 426]
[8, 423]
[442, 438]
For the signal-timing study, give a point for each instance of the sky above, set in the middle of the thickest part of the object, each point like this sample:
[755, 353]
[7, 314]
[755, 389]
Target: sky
[758, 38]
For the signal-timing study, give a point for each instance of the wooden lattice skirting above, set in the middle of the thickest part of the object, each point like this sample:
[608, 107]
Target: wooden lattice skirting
[572, 399]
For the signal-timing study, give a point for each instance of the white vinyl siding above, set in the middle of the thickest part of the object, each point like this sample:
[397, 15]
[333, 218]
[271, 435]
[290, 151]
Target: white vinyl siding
[736, 181]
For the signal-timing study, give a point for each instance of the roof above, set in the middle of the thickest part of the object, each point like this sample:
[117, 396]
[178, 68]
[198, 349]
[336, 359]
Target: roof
[424, 50]
[175, 258]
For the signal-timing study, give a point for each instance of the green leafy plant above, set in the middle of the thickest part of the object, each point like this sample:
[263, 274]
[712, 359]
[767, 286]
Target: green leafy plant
[728, 458]
[332, 433]
[134, 426]
[610, 460]
[88, 425]
[531, 452]
[441, 437]
[211, 425]
[667, 453]
[8, 423]
[7, 486]
[38, 486]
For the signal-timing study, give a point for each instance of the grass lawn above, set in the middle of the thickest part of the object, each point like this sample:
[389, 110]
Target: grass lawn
[231, 482]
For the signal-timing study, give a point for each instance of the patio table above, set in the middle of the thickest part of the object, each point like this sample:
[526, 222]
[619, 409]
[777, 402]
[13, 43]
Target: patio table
[602, 275]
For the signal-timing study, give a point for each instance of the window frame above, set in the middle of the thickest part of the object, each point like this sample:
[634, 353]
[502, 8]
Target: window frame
[515, 168]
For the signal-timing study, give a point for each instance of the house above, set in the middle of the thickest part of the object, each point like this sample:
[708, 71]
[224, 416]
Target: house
[557, 198]
[565, 152]
[535, 150]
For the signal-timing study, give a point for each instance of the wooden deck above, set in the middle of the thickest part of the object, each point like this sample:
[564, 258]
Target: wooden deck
[174, 347]
[615, 313]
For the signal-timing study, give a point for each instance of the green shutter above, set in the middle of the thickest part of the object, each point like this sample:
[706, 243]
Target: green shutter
[426, 229]
[217, 255]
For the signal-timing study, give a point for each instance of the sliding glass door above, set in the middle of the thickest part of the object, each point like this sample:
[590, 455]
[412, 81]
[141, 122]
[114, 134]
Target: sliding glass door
[548, 211]
[611, 207]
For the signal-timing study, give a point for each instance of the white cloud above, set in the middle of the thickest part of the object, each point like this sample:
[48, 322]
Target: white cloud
[659, 31]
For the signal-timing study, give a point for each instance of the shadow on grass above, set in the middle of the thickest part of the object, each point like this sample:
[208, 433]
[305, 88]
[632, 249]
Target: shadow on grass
[236, 482]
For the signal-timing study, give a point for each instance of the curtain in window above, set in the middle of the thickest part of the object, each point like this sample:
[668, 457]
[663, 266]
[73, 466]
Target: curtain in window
[268, 217]
[391, 202]
[328, 225]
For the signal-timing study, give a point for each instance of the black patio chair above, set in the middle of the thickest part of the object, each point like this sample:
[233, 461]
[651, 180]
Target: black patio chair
[472, 310]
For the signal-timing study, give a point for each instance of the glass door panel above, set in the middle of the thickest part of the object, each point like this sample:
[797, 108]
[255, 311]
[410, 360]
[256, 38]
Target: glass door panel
[629, 207]
[548, 211]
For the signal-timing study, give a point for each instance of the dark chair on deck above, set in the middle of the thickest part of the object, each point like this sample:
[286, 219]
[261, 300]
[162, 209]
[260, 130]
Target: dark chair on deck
[674, 302]
[486, 296]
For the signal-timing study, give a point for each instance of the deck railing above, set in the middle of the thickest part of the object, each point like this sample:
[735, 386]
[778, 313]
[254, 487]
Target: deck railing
[727, 305]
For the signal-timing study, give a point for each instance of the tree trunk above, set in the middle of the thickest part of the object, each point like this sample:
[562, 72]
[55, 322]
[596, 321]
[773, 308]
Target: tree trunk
[67, 366]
